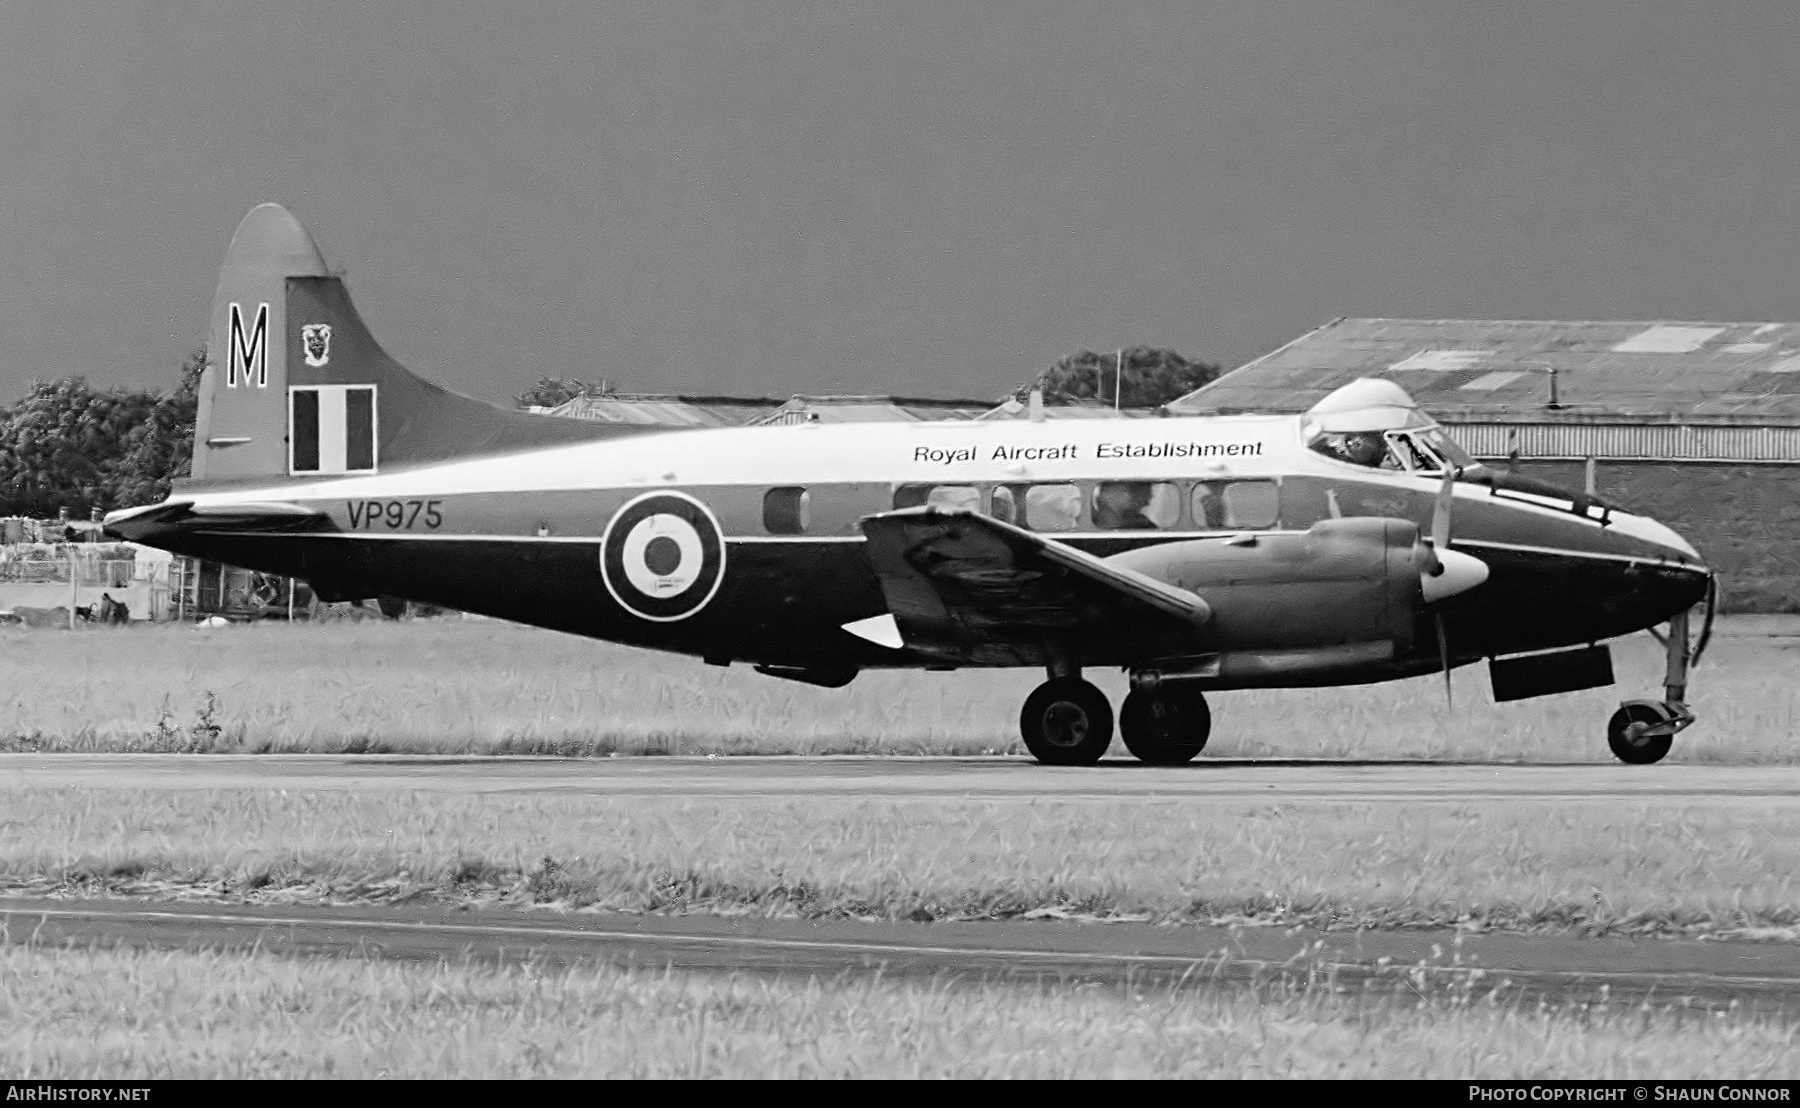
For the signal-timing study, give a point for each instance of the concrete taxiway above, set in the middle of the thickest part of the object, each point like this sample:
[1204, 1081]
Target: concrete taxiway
[1519, 967]
[996, 778]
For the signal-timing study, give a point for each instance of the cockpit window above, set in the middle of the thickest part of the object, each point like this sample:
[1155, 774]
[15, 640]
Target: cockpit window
[1413, 454]
[1359, 448]
[1421, 450]
[1446, 446]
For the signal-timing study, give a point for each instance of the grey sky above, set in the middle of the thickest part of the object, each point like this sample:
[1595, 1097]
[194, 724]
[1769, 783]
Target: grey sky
[922, 198]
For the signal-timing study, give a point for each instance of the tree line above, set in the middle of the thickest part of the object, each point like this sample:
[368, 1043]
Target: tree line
[69, 445]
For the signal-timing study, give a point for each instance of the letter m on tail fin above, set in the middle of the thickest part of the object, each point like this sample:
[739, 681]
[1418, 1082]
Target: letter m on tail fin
[247, 352]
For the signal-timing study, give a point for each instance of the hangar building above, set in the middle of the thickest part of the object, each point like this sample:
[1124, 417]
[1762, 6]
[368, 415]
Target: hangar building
[1697, 424]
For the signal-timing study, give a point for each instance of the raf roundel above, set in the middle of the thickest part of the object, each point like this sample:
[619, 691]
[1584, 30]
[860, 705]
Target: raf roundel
[662, 556]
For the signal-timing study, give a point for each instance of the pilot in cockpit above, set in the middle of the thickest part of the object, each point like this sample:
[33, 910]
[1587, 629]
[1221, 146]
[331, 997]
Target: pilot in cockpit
[1361, 448]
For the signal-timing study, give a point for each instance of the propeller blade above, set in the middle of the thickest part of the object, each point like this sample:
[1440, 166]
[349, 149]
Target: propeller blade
[1440, 512]
[1443, 641]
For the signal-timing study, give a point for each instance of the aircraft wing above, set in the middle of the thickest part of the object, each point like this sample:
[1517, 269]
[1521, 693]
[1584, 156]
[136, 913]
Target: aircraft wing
[968, 587]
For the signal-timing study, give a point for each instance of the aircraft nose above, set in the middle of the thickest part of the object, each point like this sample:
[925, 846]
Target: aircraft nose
[1645, 529]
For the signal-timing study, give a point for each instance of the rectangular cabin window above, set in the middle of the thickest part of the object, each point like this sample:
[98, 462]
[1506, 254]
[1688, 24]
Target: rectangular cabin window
[332, 429]
[1053, 507]
[967, 497]
[785, 511]
[1003, 504]
[1251, 505]
[938, 496]
[1135, 505]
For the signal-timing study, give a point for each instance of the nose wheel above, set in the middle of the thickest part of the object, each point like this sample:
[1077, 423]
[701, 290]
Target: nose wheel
[1642, 731]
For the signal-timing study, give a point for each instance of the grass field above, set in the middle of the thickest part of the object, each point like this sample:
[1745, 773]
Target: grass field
[1718, 868]
[476, 687]
[125, 1014]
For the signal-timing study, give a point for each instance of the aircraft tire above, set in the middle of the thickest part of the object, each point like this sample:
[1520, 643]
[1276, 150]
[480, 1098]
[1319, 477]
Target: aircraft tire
[1066, 721]
[1640, 750]
[392, 607]
[1167, 727]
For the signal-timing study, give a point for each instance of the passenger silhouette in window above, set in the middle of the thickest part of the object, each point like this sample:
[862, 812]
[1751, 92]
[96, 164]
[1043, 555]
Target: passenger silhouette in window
[1119, 506]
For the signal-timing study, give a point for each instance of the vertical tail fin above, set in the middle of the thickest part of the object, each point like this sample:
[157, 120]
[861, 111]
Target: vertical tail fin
[297, 386]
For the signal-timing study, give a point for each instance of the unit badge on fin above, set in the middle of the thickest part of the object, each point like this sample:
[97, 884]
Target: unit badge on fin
[316, 338]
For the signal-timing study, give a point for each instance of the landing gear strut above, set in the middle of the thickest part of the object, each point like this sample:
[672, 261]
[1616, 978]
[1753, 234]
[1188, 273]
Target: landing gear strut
[1165, 726]
[1066, 722]
[1641, 731]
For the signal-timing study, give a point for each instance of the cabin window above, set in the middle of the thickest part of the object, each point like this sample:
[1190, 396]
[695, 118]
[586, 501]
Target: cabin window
[1209, 506]
[1250, 505]
[967, 497]
[911, 496]
[938, 496]
[1003, 505]
[1053, 507]
[785, 511]
[1369, 449]
[1130, 505]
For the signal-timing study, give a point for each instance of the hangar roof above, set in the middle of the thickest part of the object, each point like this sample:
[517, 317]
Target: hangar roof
[739, 411]
[1466, 370]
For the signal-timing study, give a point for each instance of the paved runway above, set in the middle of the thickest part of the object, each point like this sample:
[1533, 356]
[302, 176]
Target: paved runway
[1523, 968]
[1002, 778]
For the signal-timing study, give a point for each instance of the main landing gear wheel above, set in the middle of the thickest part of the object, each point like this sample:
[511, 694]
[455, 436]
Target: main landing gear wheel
[1641, 732]
[1066, 722]
[1165, 727]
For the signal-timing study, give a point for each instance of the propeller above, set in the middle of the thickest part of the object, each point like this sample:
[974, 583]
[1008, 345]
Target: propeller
[1445, 572]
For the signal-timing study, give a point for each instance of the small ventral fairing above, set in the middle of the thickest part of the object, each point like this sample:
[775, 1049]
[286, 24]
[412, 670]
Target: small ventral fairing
[1353, 544]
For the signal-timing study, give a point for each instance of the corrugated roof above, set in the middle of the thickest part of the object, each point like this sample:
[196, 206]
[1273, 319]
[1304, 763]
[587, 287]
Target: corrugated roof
[1487, 370]
[1075, 409]
[871, 409]
[663, 410]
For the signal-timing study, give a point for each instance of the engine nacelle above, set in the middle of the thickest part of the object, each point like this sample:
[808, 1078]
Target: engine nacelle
[1343, 581]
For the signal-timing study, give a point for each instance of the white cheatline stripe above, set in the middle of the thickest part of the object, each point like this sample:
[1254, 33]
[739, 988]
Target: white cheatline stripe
[1594, 555]
[1060, 536]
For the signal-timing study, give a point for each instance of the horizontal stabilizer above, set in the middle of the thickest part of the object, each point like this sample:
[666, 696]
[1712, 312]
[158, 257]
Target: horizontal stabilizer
[176, 517]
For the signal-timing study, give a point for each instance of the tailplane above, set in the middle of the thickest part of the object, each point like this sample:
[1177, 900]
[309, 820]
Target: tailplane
[296, 386]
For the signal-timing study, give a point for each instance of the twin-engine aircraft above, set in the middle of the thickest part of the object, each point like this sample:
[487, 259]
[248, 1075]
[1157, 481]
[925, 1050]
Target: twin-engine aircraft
[1355, 543]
